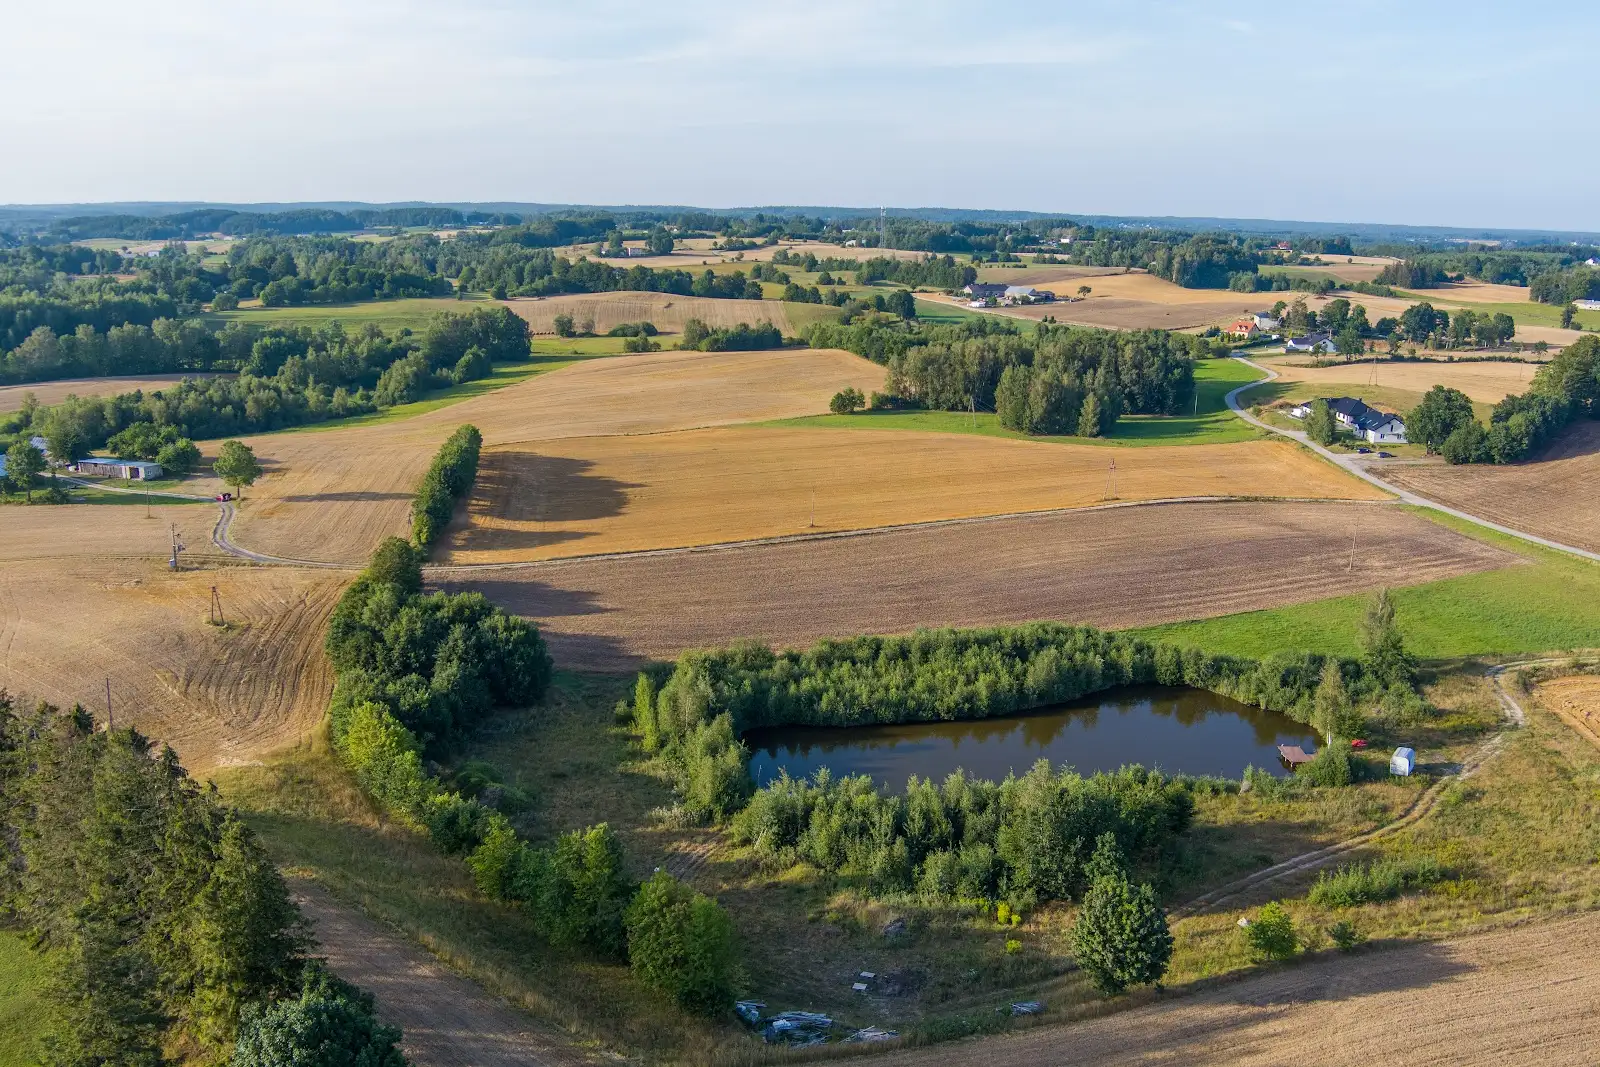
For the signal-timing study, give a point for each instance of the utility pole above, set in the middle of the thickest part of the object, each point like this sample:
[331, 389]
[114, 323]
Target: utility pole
[177, 546]
[972, 403]
[813, 521]
[111, 719]
[1350, 566]
[216, 608]
[1111, 480]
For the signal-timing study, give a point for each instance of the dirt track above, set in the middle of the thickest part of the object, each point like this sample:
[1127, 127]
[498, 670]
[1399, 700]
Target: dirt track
[447, 1021]
[1114, 568]
[1517, 996]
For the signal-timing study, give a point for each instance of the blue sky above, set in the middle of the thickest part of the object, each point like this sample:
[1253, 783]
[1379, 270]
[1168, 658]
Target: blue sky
[1471, 114]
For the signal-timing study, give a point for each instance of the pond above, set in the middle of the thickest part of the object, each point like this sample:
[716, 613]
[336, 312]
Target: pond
[1177, 730]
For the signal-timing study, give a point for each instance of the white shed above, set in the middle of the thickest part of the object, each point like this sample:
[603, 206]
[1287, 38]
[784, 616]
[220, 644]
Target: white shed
[1403, 762]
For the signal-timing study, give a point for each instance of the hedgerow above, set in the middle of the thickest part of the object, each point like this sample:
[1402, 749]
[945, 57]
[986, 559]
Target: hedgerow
[451, 474]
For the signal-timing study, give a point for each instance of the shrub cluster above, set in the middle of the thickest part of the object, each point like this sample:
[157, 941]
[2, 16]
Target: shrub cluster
[451, 474]
[166, 921]
[740, 338]
[1026, 839]
[417, 670]
[1367, 883]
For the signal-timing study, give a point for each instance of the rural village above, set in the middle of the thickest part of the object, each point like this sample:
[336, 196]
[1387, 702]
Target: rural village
[494, 633]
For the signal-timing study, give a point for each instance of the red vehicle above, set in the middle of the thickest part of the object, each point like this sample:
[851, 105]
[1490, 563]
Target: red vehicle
[1358, 743]
[221, 497]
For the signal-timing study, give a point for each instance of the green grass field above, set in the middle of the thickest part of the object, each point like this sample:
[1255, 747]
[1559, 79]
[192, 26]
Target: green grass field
[1525, 314]
[24, 1009]
[1547, 605]
[1212, 425]
[389, 314]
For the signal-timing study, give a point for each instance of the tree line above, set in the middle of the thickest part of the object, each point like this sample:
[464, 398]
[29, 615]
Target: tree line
[288, 376]
[162, 921]
[1564, 390]
[449, 478]
[416, 672]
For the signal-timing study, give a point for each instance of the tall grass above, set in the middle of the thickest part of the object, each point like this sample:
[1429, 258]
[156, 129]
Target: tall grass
[1353, 885]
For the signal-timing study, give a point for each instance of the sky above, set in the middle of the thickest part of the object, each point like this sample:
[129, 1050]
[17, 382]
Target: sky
[1401, 111]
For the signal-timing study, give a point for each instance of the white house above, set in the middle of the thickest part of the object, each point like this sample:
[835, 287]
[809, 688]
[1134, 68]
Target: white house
[1311, 342]
[1587, 305]
[1265, 320]
[1017, 294]
[1368, 423]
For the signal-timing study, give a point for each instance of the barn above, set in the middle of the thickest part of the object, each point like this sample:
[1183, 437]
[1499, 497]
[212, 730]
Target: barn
[134, 470]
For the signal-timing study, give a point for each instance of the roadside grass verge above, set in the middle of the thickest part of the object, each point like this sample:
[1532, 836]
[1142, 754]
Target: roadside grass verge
[1213, 423]
[24, 1006]
[1546, 605]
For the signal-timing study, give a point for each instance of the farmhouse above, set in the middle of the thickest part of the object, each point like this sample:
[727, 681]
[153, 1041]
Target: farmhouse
[1311, 342]
[1368, 423]
[1265, 320]
[136, 470]
[986, 290]
[1244, 330]
[1027, 294]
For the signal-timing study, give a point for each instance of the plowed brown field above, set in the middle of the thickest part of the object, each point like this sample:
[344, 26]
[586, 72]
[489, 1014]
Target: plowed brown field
[1557, 496]
[668, 312]
[333, 495]
[608, 494]
[1117, 567]
[216, 694]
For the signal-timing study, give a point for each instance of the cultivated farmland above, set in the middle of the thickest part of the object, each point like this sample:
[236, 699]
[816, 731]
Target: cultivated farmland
[667, 311]
[217, 694]
[1112, 568]
[1484, 381]
[617, 494]
[1137, 301]
[1556, 496]
[331, 495]
[54, 392]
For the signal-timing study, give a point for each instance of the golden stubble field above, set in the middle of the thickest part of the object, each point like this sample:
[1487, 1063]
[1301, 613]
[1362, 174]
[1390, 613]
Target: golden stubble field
[47, 393]
[217, 694]
[1130, 566]
[332, 495]
[667, 311]
[1486, 382]
[588, 495]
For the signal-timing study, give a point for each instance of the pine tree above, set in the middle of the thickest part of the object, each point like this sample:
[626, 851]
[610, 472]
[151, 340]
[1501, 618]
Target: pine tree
[1332, 712]
[1384, 648]
[1121, 938]
[1089, 416]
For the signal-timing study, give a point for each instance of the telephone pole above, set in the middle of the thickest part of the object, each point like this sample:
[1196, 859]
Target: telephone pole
[1111, 480]
[216, 609]
[111, 719]
[177, 546]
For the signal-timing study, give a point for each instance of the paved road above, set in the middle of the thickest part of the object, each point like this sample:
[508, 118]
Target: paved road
[1354, 464]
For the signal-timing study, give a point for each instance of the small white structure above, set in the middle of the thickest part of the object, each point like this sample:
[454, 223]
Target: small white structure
[1587, 305]
[1403, 762]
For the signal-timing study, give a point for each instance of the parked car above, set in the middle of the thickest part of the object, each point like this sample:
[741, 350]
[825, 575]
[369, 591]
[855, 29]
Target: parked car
[1385, 455]
[1364, 451]
[222, 497]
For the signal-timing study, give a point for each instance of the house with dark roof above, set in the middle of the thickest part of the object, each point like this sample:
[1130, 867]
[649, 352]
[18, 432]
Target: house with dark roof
[986, 290]
[1366, 422]
[1311, 342]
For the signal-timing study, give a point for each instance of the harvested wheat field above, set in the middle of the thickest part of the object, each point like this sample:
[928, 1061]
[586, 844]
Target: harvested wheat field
[1139, 301]
[1118, 567]
[55, 392]
[1576, 700]
[1475, 293]
[1515, 997]
[332, 495]
[218, 695]
[1556, 496]
[1062, 279]
[106, 531]
[1486, 382]
[667, 311]
[1357, 269]
[615, 494]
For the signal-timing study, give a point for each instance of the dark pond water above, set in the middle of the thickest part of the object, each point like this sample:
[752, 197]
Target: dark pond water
[1180, 731]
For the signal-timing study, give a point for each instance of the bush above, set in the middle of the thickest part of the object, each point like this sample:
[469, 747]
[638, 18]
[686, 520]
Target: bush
[1272, 935]
[330, 1024]
[1352, 886]
[846, 401]
[1331, 767]
[1121, 937]
[681, 943]
[1344, 935]
[640, 343]
[452, 473]
[563, 326]
[180, 457]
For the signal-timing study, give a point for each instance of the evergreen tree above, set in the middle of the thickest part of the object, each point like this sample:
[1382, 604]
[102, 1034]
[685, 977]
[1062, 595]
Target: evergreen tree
[1321, 426]
[681, 943]
[1332, 712]
[1382, 644]
[1121, 937]
[1089, 417]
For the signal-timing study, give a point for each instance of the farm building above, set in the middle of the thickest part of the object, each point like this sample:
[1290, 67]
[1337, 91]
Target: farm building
[1244, 330]
[136, 470]
[1266, 320]
[1587, 305]
[986, 290]
[1027, 294]
[1368, 423]
[1311, 342]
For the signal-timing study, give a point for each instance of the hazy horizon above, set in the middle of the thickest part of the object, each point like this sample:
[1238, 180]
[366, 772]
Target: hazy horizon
[1431, 115]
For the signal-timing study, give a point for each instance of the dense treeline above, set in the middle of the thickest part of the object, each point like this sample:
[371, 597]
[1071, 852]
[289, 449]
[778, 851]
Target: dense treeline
[1023, 840]
[1412, 274]
[417, 671]
[1204, 262]
[288, 376]
[1564, 390]
[164, 921]
[1038, 384]
[202, 222]
[741, 337]
[503, 269]
[936, 272]
[450, 476]
[1565, 286]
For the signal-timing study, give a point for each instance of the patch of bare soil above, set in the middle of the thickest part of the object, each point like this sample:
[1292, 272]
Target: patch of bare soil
[1523, 995]
[1112, 568]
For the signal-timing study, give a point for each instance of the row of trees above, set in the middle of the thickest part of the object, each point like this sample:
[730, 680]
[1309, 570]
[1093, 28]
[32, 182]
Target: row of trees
[415, 671]
[934, 272]
[1565, 389]
[449, 478]
[164, 921]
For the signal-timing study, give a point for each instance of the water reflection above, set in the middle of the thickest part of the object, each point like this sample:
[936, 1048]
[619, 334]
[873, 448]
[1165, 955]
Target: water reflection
[1181, 731]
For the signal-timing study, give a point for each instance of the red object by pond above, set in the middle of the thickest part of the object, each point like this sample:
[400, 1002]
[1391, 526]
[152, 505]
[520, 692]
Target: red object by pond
[1358, 743]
